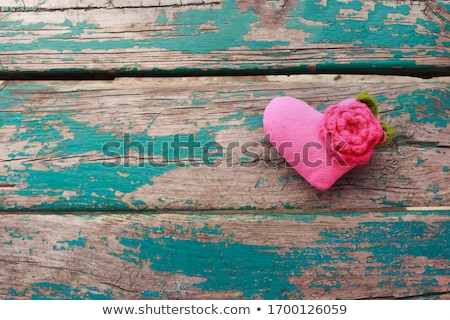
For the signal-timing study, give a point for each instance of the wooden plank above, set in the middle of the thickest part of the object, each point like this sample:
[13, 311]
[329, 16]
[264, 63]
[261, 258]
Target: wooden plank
[312, 256]
[198, 144]
[130, 37]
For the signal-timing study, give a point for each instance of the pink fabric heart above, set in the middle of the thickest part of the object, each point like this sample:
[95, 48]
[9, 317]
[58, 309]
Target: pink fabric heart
[322, 147]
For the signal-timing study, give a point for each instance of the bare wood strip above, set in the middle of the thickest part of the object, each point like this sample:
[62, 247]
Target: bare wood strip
[314, 256]
[182, 145]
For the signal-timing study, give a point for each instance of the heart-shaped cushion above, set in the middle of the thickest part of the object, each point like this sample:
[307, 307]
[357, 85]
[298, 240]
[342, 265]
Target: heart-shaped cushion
[322, 147]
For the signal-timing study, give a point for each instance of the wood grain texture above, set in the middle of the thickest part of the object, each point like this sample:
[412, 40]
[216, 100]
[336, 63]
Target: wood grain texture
[130, 37]
[231, 220]
[315, 256]
[185, 144]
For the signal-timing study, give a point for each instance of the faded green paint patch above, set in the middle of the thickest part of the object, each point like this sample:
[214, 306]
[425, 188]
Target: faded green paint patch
[248, 266]
[429, 25]
[229, 24]
[138, 203]
[267, 271]
[257, 271]
[400, 204]
[214, 262]
[250, 121]
[388, 241]
[445, 4]
[149, 294]
[163, 17]
[434, 189]
[58, 291]
[285, 179]
[269, 94]
[424, 106]
[197, 102]
[70, 244]
[91, 185]
[17, 234]
[253, 122]
[13, 292]
[261, 181]
[324, 24]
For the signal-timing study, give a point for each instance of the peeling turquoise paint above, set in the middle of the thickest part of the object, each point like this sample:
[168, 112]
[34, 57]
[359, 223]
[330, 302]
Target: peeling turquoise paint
[13, 292]
[223, 264]
[305, 217]
[16, 234]
[70, 244]
[424, 106]
[231, 27]
[197, 102]
[259, 181]
[335, 285]
[151, 294]
[286, 178]
[228, 26]
[138, 203]
[214, 230]
[287, 205]
[87, 180]
[251, 121]
[434, 188]
[429, 25]
[273, 272]
[58, 291]
[445, 4]
[162, 18]
[217, 263]
[269, 94]
[323, 24]
[399, 204]
[429, 243]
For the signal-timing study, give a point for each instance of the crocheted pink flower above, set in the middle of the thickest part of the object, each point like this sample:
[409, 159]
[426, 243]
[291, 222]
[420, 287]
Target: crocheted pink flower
[355, 130]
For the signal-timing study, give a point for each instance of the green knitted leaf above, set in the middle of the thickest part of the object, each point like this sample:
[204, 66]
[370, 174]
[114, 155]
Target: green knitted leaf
[369, 100]
[390, 133]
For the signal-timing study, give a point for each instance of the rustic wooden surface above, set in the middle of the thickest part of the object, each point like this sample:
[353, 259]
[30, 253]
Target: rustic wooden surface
[239, 224]
[129, 37]
[53, 157]
[52, 135]
[308, 256]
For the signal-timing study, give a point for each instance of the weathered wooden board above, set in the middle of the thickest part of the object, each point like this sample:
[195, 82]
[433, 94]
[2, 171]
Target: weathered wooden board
[130, 37]
[314, 256]
[198, 144]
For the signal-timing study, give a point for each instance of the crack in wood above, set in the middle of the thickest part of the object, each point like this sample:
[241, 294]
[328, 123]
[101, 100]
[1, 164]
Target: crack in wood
[7, 185]
[118, 287]
[415, 296]
[108, 6]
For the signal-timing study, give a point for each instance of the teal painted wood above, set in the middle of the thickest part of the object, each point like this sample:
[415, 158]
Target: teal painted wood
[310, 256]
[167, 145]
[227, 36]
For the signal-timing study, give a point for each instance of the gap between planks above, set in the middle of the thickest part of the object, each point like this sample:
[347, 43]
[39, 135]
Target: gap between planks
[237, 212]
[198, 80]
